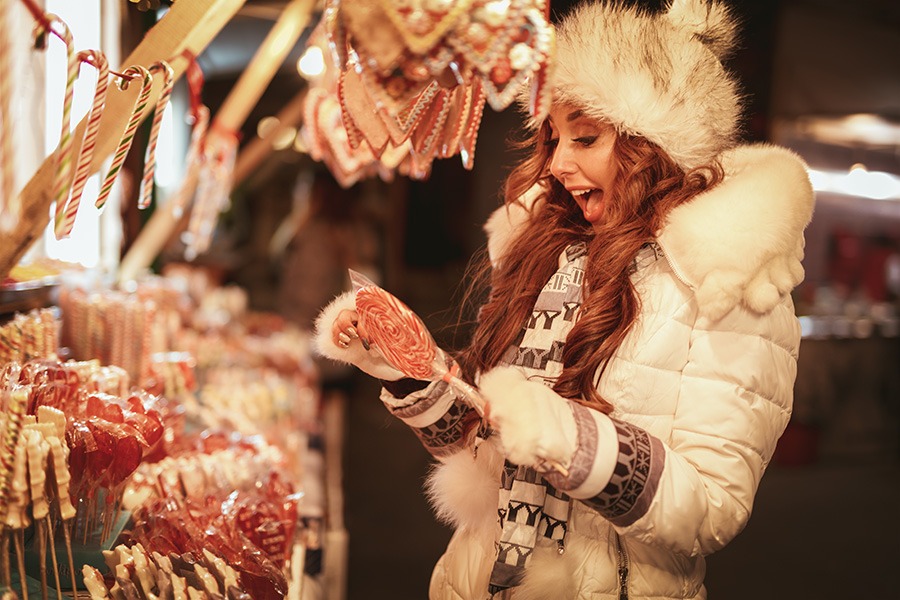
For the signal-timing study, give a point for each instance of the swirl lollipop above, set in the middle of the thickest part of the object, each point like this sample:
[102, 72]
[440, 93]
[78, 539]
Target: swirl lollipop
[403, 339]
[405, 342]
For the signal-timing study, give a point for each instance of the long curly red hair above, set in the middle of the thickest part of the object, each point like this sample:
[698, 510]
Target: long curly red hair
[648, 185]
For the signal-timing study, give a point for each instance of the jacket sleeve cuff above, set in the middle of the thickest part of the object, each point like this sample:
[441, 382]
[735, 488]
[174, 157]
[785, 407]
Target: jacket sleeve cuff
[639, 459]
[435, 415]
[594, 458]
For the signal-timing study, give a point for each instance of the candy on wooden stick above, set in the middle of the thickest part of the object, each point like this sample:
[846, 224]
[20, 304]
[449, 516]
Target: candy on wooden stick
[61, 480]
[38, 451]
[94, 583]
[15, 409]
[179, 587]
[17, 514]
[143, 571]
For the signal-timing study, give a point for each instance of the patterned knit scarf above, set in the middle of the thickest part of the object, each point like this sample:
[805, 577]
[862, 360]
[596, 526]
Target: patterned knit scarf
[529, 506]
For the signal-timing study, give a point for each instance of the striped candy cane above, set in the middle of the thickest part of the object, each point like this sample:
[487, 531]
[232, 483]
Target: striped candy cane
[128, 136]
[64, 150]
[66, 212]
[150, 158]
[9, 206]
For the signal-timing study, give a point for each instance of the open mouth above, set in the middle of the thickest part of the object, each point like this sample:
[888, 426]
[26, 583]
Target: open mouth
[590, 201]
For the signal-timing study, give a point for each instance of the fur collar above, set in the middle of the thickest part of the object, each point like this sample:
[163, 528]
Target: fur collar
[739, 243]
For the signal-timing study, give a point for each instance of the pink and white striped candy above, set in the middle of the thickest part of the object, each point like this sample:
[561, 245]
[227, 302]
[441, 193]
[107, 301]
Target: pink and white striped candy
[125, 142]
[63, 177]
[146, 194]
[67, 211]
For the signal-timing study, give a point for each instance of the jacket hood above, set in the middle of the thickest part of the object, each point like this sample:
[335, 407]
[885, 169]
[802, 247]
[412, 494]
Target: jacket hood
[739, 243]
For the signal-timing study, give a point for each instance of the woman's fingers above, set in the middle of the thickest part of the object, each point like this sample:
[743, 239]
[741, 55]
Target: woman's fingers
[344, 330]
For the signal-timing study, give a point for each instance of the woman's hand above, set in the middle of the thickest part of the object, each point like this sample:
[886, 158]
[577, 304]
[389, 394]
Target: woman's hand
[345, 329]
[339, 337]
[535, 423]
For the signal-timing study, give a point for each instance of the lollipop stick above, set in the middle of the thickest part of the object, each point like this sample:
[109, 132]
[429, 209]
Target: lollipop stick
[19, 539]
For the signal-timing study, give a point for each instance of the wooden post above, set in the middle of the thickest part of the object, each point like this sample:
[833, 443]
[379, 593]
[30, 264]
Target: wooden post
[188, 26]
[228, 120]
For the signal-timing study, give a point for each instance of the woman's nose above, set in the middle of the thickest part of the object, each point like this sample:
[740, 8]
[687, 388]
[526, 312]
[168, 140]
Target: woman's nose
[561, 163]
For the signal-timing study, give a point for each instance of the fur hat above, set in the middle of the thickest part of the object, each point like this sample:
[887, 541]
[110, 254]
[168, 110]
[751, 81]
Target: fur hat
[655, 75]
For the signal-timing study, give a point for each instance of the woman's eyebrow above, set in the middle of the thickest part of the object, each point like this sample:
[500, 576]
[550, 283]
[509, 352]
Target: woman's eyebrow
[573, 115]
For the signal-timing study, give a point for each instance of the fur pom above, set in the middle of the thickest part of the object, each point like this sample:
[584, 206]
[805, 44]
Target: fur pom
[551, 575]
[709, 22]
[464, 490]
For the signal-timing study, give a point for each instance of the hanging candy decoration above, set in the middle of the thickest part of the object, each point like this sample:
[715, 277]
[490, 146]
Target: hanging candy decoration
[63, 177]
[533, 40]
[199, 117]
[421, 71]
[422, 23]
[146, 194]
[140, 104]
[213, 189]
[66, 211]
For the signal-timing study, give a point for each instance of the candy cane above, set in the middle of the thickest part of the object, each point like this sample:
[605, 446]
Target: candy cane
[9, 206]
[150, 157]
[128, 136]
[64, 151]
[66, 212]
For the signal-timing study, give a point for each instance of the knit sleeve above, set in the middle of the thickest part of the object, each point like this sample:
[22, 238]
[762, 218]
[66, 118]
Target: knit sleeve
[435, 414]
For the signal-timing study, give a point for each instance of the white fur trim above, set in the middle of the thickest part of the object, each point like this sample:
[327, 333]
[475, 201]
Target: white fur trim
[464, 489]
[742, 241]
[658, 76]
[503, 224]
[370, 362]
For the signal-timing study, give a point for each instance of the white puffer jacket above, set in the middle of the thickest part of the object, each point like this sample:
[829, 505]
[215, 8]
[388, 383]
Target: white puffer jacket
[707, 371]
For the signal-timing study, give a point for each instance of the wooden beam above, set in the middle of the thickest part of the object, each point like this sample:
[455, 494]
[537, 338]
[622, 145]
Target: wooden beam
[229, 119]
[188, 26]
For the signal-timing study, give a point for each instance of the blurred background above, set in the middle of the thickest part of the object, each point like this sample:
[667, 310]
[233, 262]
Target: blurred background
[819, 76]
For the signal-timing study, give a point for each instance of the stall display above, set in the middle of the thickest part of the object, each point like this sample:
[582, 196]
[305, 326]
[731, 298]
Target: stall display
[407, 82]
[119, 456]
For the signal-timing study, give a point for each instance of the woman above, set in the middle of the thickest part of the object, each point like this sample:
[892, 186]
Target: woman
[639, 332]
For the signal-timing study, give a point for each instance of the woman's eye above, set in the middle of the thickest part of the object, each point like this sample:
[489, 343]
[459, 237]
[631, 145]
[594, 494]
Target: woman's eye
[552, 142]
[587, 140]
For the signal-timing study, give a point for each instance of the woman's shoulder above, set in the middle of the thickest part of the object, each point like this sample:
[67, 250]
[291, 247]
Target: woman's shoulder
[741, 242]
